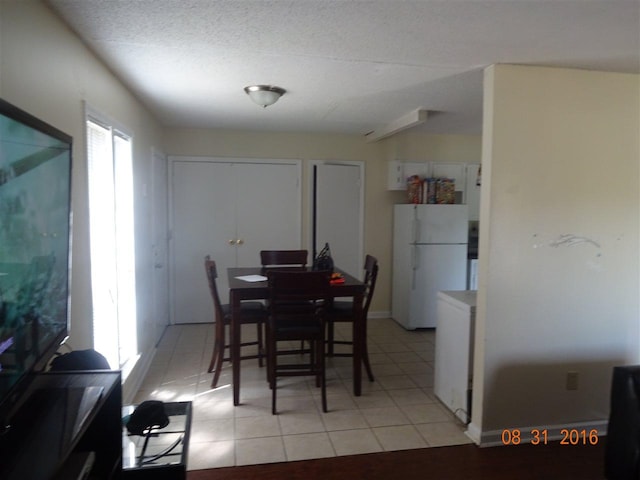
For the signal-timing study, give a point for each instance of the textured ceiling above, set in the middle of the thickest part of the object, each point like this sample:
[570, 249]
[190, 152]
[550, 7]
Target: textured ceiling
[347, 66]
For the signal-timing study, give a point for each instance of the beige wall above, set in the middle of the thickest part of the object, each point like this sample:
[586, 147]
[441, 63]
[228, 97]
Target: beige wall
[306, 147]
[47, 71]
[559, 265]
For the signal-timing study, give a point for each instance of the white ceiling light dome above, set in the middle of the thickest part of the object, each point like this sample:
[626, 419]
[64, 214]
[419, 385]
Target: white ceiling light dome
[264, 95]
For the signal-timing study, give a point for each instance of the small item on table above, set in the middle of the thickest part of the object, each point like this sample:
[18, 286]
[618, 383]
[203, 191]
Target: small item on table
[336, 278]
[323, 260]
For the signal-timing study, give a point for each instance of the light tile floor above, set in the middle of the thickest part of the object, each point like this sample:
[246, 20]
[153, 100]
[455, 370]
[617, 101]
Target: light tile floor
[398, 411]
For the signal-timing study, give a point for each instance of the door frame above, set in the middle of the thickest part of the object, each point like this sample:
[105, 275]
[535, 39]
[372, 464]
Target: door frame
[160, 232]
[357, 163]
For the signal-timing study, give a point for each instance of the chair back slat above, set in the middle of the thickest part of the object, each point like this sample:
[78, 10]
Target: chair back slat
[296, 291]
[291, 258]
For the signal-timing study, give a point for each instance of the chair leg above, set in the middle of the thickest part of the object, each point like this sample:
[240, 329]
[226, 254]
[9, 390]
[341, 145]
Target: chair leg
[260, 344]
[270, 352]
[330, 334]
[273, 398]
[218, 366]
[316, 349]
[216, 346]
[365, 351]
[273, 358]
[217, 358]
[214, 357]
[323, 374]
[365, 359]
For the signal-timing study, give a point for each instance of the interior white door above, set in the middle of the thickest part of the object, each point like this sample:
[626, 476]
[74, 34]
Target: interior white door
[203, 224]
[338, 200]
[160, 245]
[268, 209]
[229, 210]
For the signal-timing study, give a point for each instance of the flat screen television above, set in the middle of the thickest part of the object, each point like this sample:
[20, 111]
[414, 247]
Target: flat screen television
[35, 255]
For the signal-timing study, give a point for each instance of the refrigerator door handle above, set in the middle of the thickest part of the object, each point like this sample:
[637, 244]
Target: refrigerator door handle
[414, 257]
[415, 226]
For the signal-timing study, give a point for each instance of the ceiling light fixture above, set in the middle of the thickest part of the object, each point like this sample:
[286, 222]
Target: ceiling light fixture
[405, 122]
[264, 95]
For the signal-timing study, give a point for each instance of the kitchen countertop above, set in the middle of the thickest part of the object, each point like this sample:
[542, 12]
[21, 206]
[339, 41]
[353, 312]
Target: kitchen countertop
[465, 299]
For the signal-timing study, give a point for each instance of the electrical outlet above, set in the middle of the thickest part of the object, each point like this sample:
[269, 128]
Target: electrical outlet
[572, 380]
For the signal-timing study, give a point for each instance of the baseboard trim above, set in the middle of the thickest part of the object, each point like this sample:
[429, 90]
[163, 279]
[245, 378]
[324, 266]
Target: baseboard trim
[379, 314]
[136, 378]
[570, 432]
[474, 433]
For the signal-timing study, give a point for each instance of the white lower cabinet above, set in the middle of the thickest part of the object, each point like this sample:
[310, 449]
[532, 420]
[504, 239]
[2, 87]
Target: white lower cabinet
[454, 351]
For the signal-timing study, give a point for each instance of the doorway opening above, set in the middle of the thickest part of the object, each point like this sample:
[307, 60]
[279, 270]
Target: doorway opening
[337, 212]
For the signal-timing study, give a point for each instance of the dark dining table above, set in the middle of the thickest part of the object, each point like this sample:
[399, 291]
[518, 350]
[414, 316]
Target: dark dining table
[240, 290]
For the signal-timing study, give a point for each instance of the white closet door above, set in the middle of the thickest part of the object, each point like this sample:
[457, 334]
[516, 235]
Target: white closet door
[229, 211]
[203, 224]
[338, 214]
[268, 206]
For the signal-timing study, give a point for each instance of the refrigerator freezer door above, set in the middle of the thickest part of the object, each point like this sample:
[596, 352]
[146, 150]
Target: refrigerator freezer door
[442, 224]
[440, 267]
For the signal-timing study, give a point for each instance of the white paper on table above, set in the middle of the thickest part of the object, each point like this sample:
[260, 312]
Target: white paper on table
[252, 278]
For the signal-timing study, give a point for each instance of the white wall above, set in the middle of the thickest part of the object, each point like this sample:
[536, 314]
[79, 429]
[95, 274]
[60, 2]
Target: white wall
[561, 156]
[47, 71]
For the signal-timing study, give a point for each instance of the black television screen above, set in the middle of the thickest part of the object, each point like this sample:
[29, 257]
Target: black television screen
[35, 232]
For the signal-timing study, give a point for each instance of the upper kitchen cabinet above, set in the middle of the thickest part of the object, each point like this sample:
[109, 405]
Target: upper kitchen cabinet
[400, 171]
[229, 209]
[466, 177]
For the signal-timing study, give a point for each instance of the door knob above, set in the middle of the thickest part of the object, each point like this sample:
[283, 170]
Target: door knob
[232, 241]
[240, 241]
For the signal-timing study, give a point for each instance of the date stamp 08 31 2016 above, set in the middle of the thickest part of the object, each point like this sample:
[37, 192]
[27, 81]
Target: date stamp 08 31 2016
[570, 436]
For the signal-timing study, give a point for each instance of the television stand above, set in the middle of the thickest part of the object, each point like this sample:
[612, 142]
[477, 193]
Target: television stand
[65, 416]
[162, 453]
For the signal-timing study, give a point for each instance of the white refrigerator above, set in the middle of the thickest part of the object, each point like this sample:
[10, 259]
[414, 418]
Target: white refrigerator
[429, 255]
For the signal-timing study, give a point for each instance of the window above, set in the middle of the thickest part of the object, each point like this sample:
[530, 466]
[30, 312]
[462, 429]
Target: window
[112, 254]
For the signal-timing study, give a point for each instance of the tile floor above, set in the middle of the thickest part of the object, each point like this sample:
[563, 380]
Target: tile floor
[398, 411]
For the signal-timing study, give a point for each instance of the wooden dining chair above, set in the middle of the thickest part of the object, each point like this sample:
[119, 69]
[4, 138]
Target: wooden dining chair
[250, 313]
[297, 301]
[342, 311]
[283, 258]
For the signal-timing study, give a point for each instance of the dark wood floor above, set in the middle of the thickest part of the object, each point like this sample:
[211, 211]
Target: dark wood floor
[466, 462]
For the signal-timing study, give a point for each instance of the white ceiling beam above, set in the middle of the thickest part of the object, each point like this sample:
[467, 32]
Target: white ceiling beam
[409, 120]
